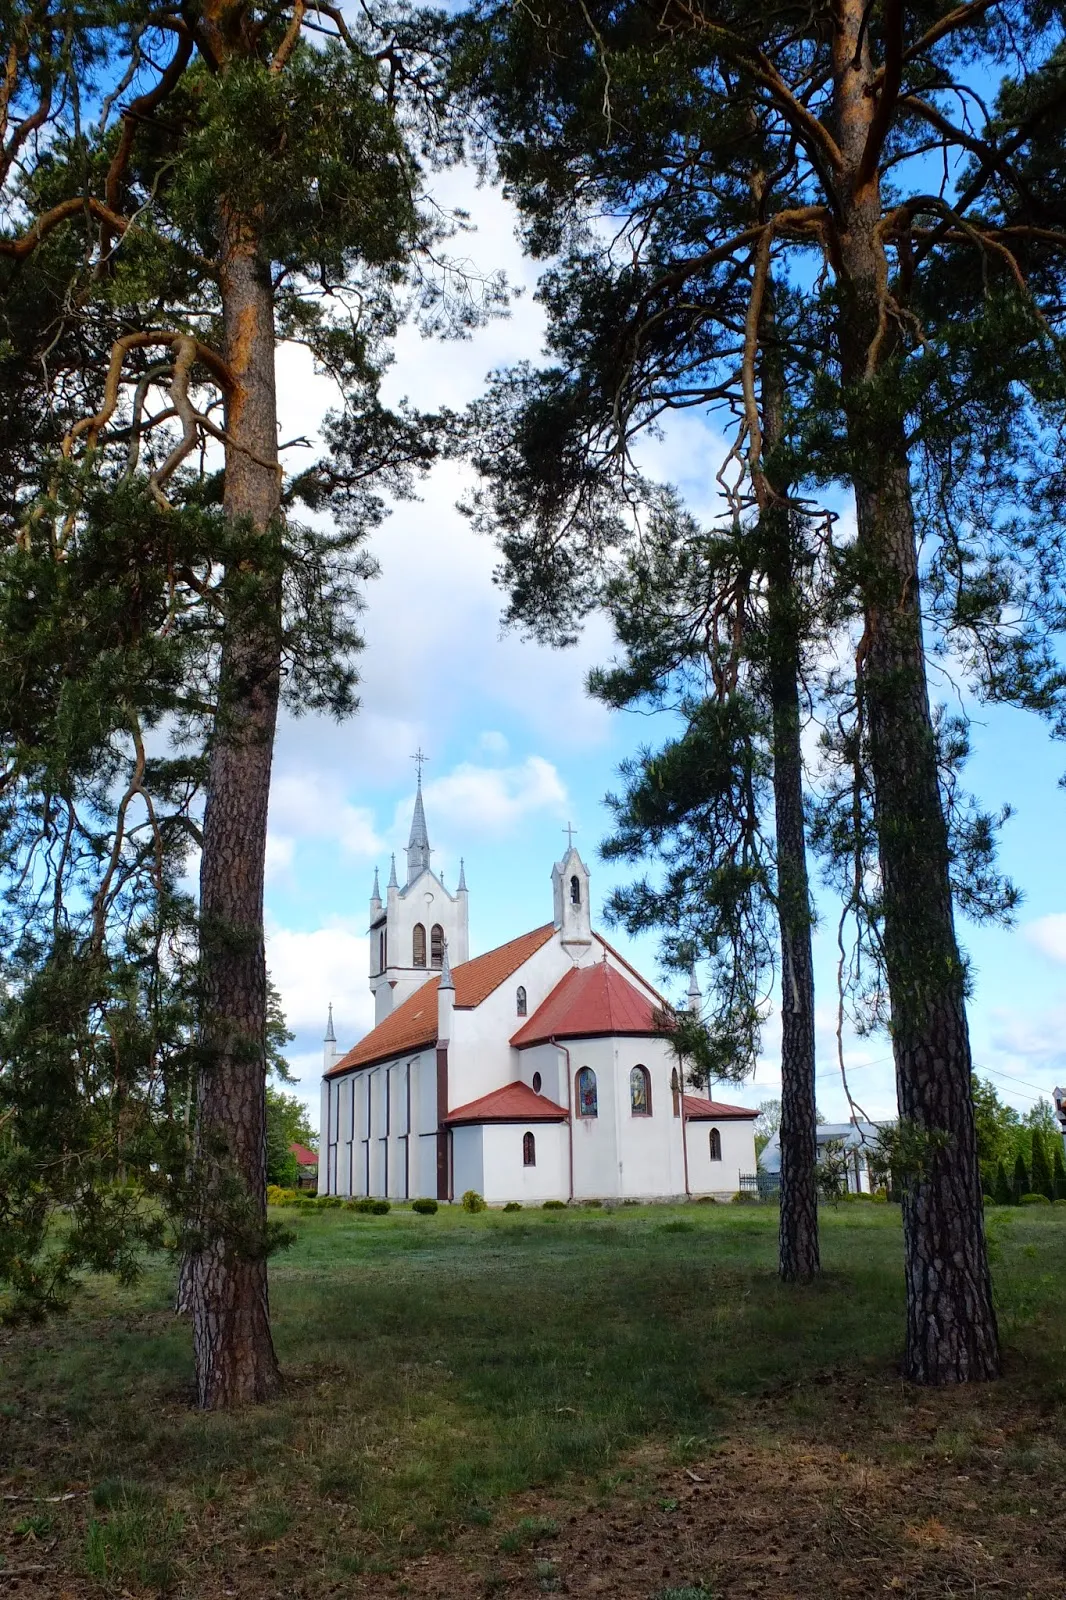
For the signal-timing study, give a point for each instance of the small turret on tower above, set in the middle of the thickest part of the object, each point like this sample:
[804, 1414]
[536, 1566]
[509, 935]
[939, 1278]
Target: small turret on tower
[570, 892]
[330, 1053]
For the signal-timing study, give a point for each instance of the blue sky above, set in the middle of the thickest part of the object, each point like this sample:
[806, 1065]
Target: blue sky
[517, 749]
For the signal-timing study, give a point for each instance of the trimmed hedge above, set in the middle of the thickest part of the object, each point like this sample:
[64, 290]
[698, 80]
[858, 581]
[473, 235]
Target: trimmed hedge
[513, 1205]
[1034, 1200]
[472, 1201]
[425, 1207]
[554, 1205]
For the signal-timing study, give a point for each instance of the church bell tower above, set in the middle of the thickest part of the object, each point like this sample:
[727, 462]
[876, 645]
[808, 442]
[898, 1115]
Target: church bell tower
[411, 927]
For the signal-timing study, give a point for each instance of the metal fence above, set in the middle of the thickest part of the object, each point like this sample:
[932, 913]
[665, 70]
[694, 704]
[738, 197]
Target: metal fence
[762, 1185]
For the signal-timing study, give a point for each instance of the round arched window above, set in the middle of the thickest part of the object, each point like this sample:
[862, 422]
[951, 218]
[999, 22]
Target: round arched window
[640, 1092]
[587, 1099]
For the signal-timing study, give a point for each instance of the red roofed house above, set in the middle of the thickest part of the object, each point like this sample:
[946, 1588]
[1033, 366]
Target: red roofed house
[307, 1161]
[535, 1071]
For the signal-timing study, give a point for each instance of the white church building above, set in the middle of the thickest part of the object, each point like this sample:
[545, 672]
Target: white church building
[536, 1071]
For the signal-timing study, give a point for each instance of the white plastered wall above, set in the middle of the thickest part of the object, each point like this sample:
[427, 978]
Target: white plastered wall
[504, 1173]
[720, 1178]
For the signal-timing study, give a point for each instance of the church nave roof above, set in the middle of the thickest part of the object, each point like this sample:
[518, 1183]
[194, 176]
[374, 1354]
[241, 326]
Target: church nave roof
[589, 1003]
[413, 1025]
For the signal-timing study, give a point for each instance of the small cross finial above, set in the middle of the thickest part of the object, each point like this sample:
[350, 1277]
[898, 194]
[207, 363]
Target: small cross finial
[419, 760]
[569, 830]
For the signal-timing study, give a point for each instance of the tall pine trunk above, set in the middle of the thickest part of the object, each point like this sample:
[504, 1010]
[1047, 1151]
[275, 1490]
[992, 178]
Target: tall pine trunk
[798, 1255]
[235, 1361]
[951, 1323]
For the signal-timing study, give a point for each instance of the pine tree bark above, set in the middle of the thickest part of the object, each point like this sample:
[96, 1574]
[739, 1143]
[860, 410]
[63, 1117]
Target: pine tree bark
[235, 1360]
[798, 1252]
[951, 1324]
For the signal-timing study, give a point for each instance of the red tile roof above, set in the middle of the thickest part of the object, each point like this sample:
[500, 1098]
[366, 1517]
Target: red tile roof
[588, 1003]
[304, 1156]
[515, 1102]
[413, 1025]
[697, 1109]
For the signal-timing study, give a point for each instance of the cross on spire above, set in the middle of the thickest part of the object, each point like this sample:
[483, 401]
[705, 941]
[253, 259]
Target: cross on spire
[419, 760]
[569, 830]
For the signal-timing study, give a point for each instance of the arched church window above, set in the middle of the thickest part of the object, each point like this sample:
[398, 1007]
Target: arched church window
[418, 943]
[587, 1101]
[716, 1145]
[575, 890]
[675, 1092]
[382, 952]
[529, 1150]
[537, 1081]
[520, 1001]
[436, 945]
[640, 1092]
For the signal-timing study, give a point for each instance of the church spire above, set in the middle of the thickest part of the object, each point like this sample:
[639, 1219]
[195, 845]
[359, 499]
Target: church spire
[418, 851]
[462, 889]
[394, 882]
[331, 1037]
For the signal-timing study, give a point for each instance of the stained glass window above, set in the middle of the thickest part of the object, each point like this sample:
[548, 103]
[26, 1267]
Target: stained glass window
[716, 1145]
[529, 1150]
[587, 1104]
[418, 952]
[640, 1092]
[436, 945]
[520, 1001]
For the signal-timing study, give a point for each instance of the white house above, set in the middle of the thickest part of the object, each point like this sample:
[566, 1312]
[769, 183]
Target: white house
[533, 1072]
[856, 1140]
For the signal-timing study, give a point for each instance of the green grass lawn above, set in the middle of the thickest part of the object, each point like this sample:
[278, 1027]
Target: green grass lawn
[441, 1371]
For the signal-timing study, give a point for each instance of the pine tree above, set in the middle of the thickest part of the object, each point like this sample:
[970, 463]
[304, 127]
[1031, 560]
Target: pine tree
[1040, 1169]
[856, 92]
[261, 184]
[1020, 1181]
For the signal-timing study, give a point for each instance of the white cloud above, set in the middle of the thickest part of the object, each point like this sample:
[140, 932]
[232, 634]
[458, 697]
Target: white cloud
[491, 799]
[493, 742]
[309, 806]
[312, 970]
[1048, 934]
[280, 853]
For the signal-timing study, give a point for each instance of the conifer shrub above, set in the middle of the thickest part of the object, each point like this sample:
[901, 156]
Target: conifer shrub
[379, 1208]
[1021, 1184]
[425, 1207]
[1041, 1168]
[472, 1201]
[1034, 1199]
[513, 1205]
[554, 1205]
[1058, 1175]
[1001, 1189]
